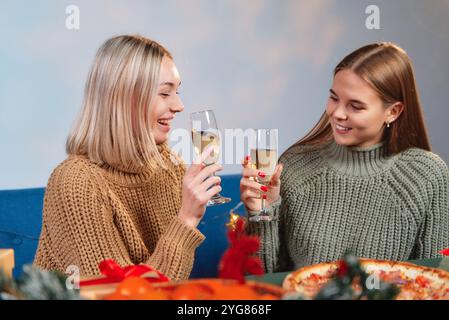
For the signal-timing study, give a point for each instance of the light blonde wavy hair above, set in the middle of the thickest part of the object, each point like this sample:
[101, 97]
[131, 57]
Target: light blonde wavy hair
[114, 126]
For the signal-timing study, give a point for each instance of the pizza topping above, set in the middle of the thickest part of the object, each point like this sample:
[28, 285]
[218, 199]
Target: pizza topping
[395, 277]
[412, 282]
[422, 281]
[342, 268]
[317, 278]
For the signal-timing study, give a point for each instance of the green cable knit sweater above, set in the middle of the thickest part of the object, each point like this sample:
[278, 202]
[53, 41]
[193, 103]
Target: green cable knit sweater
[336, 198]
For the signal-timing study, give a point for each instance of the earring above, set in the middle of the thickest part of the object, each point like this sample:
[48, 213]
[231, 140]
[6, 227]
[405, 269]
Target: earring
[388, 124]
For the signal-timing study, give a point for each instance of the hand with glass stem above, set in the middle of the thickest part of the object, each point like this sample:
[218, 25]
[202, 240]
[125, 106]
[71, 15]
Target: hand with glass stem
[252, 193]
[198, 187]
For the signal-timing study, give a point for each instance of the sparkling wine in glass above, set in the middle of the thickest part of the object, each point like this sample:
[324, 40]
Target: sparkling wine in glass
[204, 134]
[202, 140]
[265, 156]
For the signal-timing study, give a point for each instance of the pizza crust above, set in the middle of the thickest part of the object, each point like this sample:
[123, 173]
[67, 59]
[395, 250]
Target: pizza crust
[439, 279]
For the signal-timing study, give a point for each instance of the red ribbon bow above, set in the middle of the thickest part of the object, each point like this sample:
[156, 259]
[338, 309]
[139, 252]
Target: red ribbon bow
[445, 252]
[114, 273]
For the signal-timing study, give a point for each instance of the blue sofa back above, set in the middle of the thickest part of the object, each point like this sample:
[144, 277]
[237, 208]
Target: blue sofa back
[21, 222]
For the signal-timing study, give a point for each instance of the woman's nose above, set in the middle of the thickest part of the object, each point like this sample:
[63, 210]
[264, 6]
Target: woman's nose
[177, 105]
[340, 112]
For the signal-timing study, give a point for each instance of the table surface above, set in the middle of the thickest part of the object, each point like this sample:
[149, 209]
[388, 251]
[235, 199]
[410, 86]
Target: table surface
[278, 277]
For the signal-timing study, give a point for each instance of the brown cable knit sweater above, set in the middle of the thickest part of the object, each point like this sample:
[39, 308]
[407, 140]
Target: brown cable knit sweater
[93, 213]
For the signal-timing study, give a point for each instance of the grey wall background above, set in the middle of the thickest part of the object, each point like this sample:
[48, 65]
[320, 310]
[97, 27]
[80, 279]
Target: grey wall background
[259, 63]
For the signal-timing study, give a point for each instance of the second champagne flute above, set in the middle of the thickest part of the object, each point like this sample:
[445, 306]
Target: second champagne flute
[265, 155]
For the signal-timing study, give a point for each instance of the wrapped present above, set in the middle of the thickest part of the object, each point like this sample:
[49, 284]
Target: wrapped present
[113, 274]
[7, 261]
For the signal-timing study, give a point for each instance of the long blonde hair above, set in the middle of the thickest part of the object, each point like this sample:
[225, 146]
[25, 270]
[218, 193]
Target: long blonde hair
[114, 127]
[388, 69]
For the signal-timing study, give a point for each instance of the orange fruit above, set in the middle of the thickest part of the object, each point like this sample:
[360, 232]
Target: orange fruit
[115, 296]
[213, 285]
[133, 287]
[191, 291]
[236, 292]
[153, 295]
[268, 297]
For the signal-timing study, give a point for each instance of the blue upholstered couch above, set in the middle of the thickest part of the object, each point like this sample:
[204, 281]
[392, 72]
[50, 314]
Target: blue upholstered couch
[21, 221]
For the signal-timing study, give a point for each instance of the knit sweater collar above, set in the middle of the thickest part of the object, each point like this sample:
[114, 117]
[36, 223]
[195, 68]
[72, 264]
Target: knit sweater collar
[137, 176]
[356, 161]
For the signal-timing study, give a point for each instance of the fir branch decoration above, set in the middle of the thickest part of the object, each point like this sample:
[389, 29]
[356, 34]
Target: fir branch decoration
[36, 284]
[350, 271]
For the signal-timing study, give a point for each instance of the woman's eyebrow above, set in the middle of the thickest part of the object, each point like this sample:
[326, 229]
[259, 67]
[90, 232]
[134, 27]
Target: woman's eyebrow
[358, 102]
[168, 83]
[351, 100]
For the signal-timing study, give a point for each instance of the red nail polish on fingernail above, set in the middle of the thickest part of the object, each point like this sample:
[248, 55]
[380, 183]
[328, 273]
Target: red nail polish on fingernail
[264, 188]
[264, 196]
[262, 174]
[247, 158]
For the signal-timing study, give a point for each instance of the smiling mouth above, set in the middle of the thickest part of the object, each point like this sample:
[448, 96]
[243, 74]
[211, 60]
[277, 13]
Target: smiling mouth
[164, 122]
[341, 128]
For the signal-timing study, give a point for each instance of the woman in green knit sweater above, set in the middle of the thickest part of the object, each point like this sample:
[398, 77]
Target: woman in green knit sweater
[364, 178]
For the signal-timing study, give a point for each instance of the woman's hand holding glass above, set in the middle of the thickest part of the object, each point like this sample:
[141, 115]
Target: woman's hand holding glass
[198, 187]
[252, 192]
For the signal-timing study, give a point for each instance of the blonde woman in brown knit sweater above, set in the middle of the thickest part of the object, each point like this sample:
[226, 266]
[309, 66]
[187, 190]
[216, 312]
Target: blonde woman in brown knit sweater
[121, 194]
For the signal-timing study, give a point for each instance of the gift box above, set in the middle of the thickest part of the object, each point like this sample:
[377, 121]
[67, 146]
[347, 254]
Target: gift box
[112, 274]
[7, 261]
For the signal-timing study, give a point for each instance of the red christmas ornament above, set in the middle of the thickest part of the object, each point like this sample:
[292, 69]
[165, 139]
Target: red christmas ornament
[238, 259]
[445, 252]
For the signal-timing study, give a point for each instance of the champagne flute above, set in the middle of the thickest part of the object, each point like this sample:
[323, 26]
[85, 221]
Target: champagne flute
[204, 134]
[265, 155]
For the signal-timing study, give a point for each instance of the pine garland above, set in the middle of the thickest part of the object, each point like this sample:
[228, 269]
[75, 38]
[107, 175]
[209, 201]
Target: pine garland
[36, 284]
